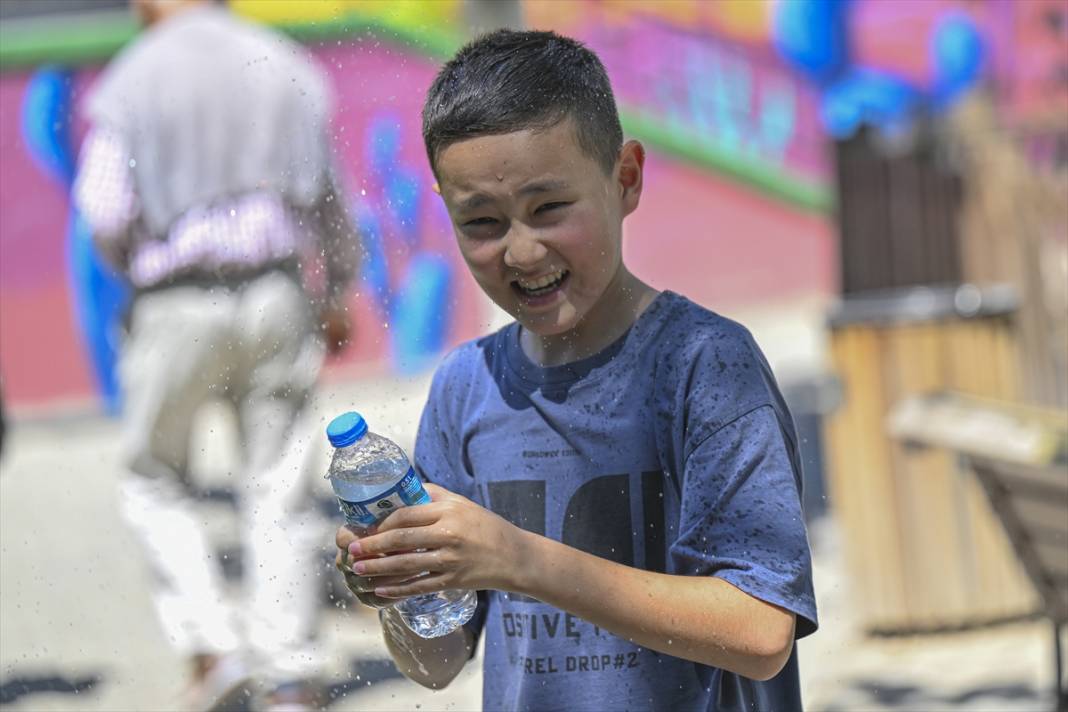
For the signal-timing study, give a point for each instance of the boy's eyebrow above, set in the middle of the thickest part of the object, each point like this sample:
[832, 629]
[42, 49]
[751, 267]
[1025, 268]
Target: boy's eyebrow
[472, 202]
[540, 186]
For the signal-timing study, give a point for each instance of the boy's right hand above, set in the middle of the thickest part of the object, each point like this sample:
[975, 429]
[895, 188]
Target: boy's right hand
[361, 586]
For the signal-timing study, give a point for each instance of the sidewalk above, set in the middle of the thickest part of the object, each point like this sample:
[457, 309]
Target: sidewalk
[1007, 668]
[77, 631]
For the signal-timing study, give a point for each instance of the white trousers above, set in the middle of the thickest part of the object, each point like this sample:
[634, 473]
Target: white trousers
[257, 347]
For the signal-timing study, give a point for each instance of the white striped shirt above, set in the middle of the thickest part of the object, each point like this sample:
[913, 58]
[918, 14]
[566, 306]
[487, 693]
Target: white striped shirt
[232, 236]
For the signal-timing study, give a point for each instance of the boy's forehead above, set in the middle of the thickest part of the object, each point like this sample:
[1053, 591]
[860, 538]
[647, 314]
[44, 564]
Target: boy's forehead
[545, 156]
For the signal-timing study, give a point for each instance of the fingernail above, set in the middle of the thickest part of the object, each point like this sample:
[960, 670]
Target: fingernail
[355, 549]
[359, 567]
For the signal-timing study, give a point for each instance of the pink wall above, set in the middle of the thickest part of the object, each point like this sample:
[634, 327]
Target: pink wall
[722, 243]
[40, 355]
[42, 361]
[696, 232]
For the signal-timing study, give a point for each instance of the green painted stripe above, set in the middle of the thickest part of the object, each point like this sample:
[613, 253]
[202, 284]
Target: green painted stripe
[93, 39]
[435, 42]
[51, 40]
[770, 178]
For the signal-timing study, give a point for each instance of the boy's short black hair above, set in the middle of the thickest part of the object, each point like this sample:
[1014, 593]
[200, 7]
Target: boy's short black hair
[509, 81]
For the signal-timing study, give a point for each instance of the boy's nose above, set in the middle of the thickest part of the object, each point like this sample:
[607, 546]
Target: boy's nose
[523, 250]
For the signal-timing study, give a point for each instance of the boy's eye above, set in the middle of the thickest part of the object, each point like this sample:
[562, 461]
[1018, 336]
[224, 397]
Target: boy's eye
[546, 207]
[480, 222]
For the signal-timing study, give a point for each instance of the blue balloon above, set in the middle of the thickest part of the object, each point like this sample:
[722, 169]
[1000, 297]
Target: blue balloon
[958, 54]
[867, 96]
[813, 36]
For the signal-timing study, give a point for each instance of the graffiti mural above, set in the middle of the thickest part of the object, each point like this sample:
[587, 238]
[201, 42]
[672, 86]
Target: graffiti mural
[703, 81]
[399, 215]
[61, 310]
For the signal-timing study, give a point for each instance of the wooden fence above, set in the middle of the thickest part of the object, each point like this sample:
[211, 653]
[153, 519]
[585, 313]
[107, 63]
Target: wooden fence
[954, 277]
[923, 547]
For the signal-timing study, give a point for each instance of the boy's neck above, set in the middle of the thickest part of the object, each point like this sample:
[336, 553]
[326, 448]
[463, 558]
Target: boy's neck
[623, 302]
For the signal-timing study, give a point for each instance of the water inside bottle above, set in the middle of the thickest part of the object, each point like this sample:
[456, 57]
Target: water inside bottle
[436, 614]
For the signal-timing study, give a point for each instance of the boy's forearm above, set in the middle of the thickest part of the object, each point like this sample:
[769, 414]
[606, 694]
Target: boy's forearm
[704, 619]
[433, 662]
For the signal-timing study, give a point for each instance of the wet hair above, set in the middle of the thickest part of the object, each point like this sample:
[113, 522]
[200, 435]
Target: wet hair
[508, 81]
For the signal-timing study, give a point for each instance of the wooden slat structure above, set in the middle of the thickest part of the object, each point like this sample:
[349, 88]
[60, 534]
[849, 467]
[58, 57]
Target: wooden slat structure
[898, 213]
[1020, 457]
[925, 550]
[954, 277]
[1013, 227]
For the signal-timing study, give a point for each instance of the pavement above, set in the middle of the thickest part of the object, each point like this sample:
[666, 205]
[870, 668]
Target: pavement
[77, 631]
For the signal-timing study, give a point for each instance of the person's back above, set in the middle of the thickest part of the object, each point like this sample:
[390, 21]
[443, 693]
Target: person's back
[206, 179]
[212, 108]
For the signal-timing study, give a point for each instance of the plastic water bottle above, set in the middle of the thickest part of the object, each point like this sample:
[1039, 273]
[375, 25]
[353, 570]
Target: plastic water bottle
[371, 477]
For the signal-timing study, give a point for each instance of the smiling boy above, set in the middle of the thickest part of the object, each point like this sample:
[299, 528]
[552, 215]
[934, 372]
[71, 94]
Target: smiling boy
[616, 471]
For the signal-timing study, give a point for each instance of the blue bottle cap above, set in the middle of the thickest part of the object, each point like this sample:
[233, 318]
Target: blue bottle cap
[346, 429]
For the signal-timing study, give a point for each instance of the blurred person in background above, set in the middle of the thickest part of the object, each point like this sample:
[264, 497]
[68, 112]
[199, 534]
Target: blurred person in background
[205, 178]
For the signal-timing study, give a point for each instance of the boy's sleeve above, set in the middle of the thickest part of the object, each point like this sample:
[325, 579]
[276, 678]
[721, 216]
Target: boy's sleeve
[438, 457]
[741, 516]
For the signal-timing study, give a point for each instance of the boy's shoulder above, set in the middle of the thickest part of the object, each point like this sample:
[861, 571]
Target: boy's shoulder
[468, 354]
[677, 328]
[677, 335]
[464, 363]
[686, 329]
[708, 366]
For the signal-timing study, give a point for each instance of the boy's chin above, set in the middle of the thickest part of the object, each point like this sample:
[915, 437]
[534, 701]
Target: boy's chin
[544, 327]
[555, 322]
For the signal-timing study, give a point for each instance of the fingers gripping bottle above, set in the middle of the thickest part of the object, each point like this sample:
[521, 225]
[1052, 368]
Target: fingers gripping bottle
[371, 477]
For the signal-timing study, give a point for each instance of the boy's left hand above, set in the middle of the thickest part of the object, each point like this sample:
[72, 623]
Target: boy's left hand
[455, 541]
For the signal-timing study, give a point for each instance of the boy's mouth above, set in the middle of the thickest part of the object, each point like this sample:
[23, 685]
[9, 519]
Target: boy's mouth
[541, 286]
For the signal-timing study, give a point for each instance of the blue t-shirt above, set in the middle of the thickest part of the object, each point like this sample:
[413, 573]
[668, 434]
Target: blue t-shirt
[671, 450]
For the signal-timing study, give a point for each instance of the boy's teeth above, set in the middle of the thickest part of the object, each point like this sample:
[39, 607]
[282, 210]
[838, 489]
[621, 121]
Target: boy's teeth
[541, 282]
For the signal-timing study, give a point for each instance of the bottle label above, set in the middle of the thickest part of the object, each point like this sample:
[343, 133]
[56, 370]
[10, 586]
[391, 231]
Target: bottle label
[370, 511]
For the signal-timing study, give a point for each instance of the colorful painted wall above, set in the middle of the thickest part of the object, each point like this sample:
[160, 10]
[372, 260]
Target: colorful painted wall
[735, 208]
[41, 356]
[731, 212]
[412, 267]
[737, 196]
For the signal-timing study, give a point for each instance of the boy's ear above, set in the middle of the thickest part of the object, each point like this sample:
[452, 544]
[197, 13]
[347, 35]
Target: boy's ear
[631, 165]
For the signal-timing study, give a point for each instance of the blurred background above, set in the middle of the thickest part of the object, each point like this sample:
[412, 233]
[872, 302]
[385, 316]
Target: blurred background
[877, 188]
